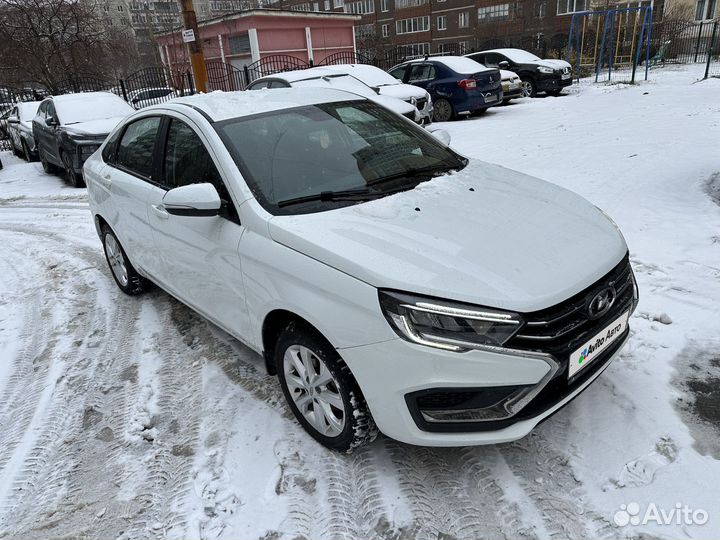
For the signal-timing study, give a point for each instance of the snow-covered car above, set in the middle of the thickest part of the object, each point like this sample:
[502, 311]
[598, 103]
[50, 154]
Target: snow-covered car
[387, 85]
[458, 85]
[387, 280]
[150, 96]
[511, 85]
[19, 128]
[322, 77]
[69, 128]
[537, 74]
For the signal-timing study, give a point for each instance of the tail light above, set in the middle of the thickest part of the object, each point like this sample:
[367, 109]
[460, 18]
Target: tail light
[467, 84]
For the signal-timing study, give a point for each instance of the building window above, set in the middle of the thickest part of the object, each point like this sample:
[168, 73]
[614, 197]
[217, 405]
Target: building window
[327, 5]
[414, 49]
[704, 9]
[239, 44]
[442, 22]
[338, 3]
[383, 5]
[571, 6]
[119, 8]
[360, 7]
[385, 30]
[412, 25]
[463, 19]
[400, 4]
[497, 12]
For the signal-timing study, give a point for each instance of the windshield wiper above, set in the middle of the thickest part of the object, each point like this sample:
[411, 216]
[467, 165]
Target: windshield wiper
[410, 173]
[360, 194]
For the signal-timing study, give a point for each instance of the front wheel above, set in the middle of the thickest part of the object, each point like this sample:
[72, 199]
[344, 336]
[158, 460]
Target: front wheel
[321, 391]
[528, 87]
[125, 275]
[48, 167]
[75, 179]
[443, 110]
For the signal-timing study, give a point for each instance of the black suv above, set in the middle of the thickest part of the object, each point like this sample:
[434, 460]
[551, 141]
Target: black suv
[69, 128]
[537, 75]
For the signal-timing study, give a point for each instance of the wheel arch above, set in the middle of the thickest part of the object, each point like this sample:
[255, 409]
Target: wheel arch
[273, 324]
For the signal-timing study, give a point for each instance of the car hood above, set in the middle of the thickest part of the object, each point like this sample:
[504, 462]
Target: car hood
[513, 242]
[402, 91]
[555, 64]
[93, 127]
[394, 104]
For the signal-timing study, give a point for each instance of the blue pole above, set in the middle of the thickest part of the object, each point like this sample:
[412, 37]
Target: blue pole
[612, 43]
[649, 41]
[598, 62]
[639, 44]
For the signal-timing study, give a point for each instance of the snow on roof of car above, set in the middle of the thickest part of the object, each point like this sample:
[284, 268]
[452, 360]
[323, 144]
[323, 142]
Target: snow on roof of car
[86, 106]
[225, 105]
[460, 64]
[301, 74]
[516, 55]
[370, 75]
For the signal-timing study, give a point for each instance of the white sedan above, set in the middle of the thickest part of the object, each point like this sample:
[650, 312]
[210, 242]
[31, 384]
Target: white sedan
[322, 77]
[387, 85]
[389, 282]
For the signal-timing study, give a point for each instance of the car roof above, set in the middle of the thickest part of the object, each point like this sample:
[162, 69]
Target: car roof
[459, 64]
[80, 96]
[219, 106]
[301, 74]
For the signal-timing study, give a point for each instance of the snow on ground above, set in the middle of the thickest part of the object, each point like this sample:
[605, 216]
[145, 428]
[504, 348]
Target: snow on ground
[132, 417]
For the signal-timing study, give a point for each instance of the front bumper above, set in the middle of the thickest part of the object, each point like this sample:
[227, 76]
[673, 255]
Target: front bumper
[394, 373]
[552, 82]
[512, 91]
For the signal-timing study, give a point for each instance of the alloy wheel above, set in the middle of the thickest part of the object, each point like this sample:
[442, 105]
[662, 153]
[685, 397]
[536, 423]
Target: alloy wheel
[527, 88]
[314, 390]
[116, 259]
[442, 111]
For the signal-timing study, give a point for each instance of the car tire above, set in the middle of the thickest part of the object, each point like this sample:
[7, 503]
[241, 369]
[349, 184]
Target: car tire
[125, 275]
[302, 358]
[75, 179]
[443, 110]
[529, 88]
[48, 167]
[26, 151]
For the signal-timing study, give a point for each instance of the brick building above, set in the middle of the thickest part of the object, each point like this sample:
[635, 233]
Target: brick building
[416, 27]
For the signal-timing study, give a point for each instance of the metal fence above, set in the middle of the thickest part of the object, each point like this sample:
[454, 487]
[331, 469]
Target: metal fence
[712, 64]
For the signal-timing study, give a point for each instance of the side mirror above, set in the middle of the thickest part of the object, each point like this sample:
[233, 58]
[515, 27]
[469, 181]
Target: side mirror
[504, 64]
[51, 122]
[13, 120]
[198, 200]
[441, 135]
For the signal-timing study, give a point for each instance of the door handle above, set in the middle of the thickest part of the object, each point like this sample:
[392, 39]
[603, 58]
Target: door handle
[106, 180]
[160, 211]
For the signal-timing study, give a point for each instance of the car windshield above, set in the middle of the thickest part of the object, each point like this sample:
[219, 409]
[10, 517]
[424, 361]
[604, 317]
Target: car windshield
[354, 148]
[520, 56]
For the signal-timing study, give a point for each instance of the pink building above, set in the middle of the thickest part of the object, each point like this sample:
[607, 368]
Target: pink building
[243, 38]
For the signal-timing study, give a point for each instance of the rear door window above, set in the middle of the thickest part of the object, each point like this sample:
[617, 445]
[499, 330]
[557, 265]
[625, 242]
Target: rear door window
[421, 73]
[137, 145]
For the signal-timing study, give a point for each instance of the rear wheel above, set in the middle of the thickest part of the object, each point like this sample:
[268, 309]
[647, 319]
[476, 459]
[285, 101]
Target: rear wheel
[528, 87]
[48, 167]
[126, 277]
[443, 110]
[26, 151]
[321, 391]
[75, 179]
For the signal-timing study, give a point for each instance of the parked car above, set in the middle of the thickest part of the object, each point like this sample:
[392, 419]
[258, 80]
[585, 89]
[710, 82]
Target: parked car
[321, 77]
[19, 129]
[511, 85]
[333, 237]
[69, 128]
[150, 96]
[386, 85]
[456, 84]
[537, 75]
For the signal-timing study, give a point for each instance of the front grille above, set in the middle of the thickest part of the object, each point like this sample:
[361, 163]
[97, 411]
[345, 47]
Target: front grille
[410, 115]
[420, 103]
[562, 328]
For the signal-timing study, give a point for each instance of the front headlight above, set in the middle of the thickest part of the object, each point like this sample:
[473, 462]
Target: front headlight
[543, 69]
[448, 325]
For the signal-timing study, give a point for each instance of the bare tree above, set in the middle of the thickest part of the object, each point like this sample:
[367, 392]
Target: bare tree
[46, 41]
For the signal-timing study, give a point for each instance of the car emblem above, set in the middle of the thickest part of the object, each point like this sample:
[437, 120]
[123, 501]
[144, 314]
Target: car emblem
[601, 302]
